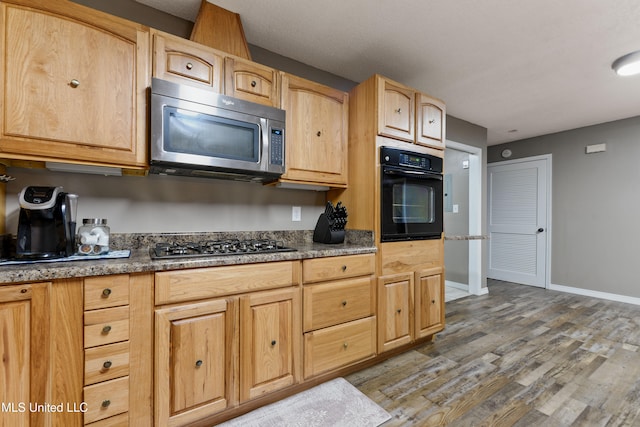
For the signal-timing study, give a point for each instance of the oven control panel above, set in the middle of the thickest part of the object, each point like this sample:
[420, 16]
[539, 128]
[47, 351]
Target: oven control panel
[402, 158]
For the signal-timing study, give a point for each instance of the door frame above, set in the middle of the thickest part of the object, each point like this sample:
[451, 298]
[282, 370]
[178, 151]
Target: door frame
[475, 214]
[548, 158]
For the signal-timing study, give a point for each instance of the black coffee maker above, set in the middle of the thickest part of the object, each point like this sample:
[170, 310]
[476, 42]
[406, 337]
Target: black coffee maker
[47, 223]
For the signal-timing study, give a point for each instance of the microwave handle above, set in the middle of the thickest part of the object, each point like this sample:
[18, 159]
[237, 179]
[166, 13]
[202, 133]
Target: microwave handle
[419, 174]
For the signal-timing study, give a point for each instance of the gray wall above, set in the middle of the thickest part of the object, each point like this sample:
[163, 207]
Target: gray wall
[595, 204]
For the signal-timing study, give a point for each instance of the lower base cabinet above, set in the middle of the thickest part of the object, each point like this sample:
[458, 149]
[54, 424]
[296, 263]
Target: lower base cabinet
[195, 360]
[339, 312]
[215, 354]
[410, 307]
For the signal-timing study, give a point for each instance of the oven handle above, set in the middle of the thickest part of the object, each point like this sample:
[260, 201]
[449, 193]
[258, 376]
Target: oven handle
[411, 173]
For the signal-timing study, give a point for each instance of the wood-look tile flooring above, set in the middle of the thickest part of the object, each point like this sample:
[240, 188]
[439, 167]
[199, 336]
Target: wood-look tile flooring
[519, 356]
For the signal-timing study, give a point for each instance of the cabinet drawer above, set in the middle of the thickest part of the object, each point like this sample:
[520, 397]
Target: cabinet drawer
[331, 303]
[106, 291]
[251, 81]
[106, 326]
[337, 346]
[195, 284]
[120, 420]
[404, 257]
[106, 399]
[186, 62]
[106, 362]
[321, 269]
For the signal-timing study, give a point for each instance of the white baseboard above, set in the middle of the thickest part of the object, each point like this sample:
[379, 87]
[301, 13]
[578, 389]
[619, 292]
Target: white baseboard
[457, 285]
[595, 294]
[463, 287]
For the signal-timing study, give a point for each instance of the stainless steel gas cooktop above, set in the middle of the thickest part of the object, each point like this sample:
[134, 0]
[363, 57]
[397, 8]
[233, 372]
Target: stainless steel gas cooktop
[166, 250]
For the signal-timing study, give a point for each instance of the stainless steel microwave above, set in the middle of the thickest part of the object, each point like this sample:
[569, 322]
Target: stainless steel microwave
[202, 134]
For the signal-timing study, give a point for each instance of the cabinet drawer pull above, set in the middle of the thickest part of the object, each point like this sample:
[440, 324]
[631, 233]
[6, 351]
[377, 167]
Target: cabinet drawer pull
[106, 329]
[273, 342]
[344, 303]
[344, 268]
[399, 110]
[345, 345]
[107, 364]
[106, 292]
[106, 403]
[189, 65]
[432, 121]
[198, 363]
[399, 310]
[253, 83]
[74, 83]
[319, 133]
[433, 301]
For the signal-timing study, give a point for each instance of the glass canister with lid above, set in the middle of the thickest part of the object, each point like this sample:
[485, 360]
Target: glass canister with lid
[93, 236]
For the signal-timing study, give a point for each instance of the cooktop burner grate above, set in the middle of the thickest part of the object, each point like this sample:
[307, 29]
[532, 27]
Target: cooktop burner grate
[216, 248]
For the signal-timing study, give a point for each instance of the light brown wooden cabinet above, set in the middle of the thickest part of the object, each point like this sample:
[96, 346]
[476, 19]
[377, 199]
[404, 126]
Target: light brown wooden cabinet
[73, 85]
[185, 62]
[339, 319]
[249, 316]
[41, 344]
[317, 132]
[410, 307]
[118, 316]
[404, 114]
[430, 121]
[396, 112]
[196, 348]
[270, 336]
[252, 81]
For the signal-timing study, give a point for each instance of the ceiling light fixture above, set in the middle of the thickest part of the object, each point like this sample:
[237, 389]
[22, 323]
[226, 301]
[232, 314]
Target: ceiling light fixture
[628, 64]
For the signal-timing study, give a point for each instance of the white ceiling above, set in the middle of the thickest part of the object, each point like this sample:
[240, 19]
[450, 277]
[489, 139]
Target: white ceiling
[520, 68]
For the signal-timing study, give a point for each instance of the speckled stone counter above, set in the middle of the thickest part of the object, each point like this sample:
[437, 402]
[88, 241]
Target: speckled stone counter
[356, 242]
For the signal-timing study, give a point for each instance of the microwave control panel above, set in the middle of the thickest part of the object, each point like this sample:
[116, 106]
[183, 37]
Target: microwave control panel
[277, 147]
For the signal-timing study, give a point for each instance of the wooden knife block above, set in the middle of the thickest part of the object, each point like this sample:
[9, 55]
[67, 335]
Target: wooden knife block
[220, 29]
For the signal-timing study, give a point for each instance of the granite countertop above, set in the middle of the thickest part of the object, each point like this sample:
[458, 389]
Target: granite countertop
[356, 242]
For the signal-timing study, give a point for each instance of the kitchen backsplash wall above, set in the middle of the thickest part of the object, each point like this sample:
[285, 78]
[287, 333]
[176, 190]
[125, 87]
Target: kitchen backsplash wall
[161, 204]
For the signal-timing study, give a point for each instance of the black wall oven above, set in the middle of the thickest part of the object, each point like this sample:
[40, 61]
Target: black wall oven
[411, 195]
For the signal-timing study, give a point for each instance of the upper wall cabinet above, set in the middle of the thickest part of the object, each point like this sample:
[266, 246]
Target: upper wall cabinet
[73, 85]
[430, 121]
[396, 114]
[251, 81]
[186, 62]
[317, 131]
[408, 115]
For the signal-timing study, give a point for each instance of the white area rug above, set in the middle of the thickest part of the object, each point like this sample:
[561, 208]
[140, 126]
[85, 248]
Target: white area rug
[334, 403]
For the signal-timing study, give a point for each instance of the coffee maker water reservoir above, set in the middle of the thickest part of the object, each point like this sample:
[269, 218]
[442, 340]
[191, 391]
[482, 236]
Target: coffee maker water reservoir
[47, 223]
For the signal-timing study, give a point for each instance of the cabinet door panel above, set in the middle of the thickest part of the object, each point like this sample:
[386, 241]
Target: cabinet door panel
[195, 353]
[196, 360]
[429, 295]
[15, 367]
[270, 331]
[317, 127]
[396, 111]
[75, 89]
[430, 122]
[394, 311]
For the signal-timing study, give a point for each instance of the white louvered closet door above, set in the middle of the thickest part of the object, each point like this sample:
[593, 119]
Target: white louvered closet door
[517, 226]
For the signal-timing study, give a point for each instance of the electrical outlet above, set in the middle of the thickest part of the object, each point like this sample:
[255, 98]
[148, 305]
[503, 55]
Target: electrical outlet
[296, 213]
